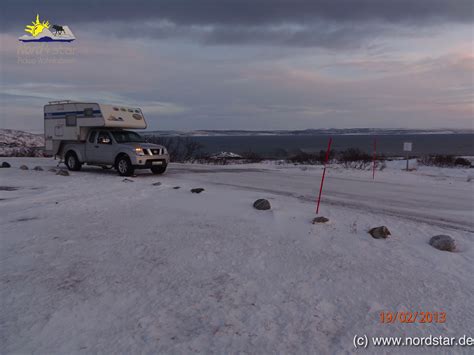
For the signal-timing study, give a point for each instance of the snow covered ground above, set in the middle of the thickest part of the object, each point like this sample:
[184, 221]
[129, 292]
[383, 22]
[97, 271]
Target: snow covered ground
[90, 263]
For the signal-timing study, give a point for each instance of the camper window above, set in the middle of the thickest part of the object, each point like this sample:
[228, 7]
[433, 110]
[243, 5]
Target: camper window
[71, 120]
[89, 112]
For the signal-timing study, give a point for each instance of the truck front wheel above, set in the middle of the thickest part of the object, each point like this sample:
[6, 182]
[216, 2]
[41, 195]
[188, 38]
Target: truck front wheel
[124, 166]
[72, 162]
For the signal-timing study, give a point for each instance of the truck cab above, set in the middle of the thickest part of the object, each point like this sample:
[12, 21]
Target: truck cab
[123, 149]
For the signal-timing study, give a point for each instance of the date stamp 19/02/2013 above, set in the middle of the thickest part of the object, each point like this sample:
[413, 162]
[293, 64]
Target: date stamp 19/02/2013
[389, 317]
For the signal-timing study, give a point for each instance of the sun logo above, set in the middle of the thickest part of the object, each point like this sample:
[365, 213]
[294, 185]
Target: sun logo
[37, 26]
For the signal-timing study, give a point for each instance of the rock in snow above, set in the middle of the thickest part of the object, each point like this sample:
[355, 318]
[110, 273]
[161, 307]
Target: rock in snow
[443, 242]
[381, 232]
[156, 183]
[63, 173]
[38, 168]
[320, 219]
[23, 167]
[262, 204]
[197, 190]
[5, 165]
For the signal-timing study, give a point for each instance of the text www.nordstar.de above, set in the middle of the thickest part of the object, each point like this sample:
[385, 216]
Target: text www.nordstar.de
[363, 341]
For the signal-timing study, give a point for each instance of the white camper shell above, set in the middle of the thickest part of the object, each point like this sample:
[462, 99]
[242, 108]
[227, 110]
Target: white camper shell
[71, 121]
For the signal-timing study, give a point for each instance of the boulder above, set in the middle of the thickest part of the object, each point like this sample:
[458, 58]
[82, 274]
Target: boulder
[63, 172]
[320, 219]
[177, 187]
[5, 165]
[156, 183]
[197, 190]
[23, 167]
[381, 232]
[262, 204]
[38, 168]
[53, 170]
[443, 242]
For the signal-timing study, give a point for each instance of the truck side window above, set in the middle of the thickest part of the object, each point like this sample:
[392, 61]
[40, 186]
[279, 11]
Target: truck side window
[92, 137]
[71, 120]
[104, 138]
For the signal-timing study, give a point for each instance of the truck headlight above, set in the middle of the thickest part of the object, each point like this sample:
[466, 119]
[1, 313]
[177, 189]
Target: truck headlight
[139, 151]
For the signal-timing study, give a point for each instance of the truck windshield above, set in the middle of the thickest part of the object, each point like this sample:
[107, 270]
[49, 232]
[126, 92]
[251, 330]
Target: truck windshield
[127, 136]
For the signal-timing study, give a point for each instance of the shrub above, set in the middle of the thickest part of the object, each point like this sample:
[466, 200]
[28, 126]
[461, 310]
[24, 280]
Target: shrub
[252, 157]
[444, 160]
[304, 158]
[354, 155]
[180, 149]
[311, 158]
[462, 162]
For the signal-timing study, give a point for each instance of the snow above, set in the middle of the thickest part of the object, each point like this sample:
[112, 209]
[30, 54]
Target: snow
[226, 155]
[93, 264]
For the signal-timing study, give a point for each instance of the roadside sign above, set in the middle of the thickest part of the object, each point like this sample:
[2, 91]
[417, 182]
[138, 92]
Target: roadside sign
[407, 147]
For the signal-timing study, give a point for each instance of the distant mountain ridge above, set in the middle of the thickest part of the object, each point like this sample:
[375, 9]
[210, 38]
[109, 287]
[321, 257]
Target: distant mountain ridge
[308, 132]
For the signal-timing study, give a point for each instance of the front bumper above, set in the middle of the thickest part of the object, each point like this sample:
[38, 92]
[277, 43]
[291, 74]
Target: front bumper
[147, 161]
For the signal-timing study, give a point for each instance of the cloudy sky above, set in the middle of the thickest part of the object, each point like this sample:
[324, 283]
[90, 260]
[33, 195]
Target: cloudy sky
[247, 64]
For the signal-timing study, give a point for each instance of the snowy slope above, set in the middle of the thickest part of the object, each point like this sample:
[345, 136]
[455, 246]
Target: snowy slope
[20, 143]
[94, 264]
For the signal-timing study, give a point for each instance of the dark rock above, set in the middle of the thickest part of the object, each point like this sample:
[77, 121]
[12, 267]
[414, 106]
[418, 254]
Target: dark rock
[8, 188]
[53, 170]
[177, 187]
[127, 180]
[63, 172]
[156, 183]
[381, 232]
[197, 190]
[5, 165]
[320, 220]
[23, 167]
[262, 204]
[38, 168]
[443, 242]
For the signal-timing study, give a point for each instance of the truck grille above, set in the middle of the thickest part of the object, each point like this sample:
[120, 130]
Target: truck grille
[148, 151]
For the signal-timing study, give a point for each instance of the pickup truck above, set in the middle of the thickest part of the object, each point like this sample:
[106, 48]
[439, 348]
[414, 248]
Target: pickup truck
[122, 149]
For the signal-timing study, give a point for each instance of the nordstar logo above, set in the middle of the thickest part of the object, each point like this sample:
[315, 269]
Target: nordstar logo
[42, 31]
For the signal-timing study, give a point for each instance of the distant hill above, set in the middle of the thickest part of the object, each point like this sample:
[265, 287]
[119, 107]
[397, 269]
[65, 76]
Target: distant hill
[15, 143]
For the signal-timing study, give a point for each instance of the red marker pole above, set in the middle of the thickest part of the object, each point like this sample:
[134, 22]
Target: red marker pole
[375, 157]
[324, 174]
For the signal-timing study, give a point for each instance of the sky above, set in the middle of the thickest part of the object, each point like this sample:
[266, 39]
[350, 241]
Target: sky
[247, 64]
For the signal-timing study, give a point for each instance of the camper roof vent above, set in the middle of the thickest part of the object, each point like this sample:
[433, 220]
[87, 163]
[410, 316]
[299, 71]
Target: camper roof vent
[61, 102]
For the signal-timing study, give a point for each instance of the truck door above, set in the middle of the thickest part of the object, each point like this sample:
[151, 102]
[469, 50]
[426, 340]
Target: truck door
[102, 149]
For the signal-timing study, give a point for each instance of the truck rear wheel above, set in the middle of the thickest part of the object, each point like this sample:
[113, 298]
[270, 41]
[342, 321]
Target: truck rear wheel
[72, 162]
[124, 166]
[158, 169]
